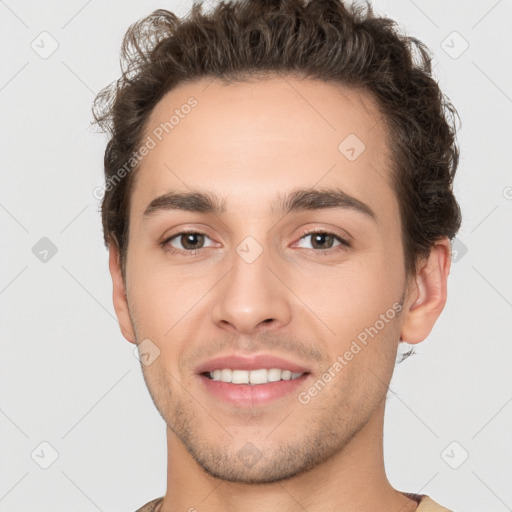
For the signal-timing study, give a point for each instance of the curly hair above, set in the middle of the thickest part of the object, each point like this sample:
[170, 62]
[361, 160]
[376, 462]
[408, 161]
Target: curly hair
[320, 39]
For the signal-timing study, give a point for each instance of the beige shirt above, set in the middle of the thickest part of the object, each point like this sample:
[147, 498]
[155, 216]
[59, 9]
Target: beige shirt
[426, 504]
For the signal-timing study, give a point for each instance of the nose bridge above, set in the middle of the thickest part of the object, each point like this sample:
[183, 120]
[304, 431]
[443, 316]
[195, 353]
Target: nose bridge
[251, 295]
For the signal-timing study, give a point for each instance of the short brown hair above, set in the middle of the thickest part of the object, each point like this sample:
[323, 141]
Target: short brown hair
[319, 39]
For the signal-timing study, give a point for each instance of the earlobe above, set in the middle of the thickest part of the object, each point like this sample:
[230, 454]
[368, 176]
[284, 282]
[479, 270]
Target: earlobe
[427, 296]
[119, 295]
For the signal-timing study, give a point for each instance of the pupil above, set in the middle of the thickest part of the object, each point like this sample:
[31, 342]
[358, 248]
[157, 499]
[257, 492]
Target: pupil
[191, 239]
[320, 236]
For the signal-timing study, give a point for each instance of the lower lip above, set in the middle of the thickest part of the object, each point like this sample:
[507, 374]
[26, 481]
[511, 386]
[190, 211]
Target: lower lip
[245, 395]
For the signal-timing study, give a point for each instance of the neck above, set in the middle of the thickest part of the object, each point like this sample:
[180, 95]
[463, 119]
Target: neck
[352, 479]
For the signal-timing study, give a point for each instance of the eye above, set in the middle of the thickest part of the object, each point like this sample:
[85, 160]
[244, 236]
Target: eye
[323, 241]
[190, 242]
[186, 241]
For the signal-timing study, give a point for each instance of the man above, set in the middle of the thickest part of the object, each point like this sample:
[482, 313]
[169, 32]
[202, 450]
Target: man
[278, 209]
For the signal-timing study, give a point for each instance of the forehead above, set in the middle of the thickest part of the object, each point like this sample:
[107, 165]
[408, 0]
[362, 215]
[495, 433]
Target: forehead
[251, 141]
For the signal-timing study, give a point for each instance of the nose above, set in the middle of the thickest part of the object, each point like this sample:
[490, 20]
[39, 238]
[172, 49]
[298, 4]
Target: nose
[252, 297]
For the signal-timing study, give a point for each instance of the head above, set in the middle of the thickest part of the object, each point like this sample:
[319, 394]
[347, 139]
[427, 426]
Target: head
[259, 126]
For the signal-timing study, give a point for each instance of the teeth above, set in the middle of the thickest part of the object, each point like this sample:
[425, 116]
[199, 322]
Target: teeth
[258, 376]
[262, 376]
[240, 377]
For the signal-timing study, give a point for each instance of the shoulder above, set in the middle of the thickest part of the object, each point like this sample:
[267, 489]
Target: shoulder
[427, 504]
[151, 506]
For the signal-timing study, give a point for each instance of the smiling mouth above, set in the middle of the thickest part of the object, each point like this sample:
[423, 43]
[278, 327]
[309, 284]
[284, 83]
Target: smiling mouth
[252, 377]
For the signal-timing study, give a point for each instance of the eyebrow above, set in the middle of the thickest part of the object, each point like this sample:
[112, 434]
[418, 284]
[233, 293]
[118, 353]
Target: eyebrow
[296, 200]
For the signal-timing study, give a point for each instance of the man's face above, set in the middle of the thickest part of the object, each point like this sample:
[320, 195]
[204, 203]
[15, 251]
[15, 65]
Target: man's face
[264, 280]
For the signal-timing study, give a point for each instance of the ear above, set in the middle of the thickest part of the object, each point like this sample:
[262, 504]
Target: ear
[119, 294]
[427, 296]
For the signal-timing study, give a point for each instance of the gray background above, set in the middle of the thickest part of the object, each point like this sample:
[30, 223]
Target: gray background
[69, 379]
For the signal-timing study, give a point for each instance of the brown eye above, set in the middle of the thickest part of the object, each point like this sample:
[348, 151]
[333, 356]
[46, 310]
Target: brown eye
[187, 241]
[191, 241]
[323, 241]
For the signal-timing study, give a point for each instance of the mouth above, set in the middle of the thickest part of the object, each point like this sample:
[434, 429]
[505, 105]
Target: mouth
[241, 393]
[245, 381]
[252, 377]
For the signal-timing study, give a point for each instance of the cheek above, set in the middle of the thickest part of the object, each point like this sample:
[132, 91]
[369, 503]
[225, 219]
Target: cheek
[353, 388]
[167, 308]
[351, 296]
[368, 364]
[160, 295]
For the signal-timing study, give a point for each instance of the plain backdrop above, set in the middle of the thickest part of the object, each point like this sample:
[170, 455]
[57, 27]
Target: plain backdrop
[73, 398]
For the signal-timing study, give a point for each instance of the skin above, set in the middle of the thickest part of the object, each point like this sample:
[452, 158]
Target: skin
[247, 143]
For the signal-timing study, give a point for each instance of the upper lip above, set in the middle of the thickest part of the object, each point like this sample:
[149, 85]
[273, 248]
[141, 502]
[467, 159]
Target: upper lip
[245, 362]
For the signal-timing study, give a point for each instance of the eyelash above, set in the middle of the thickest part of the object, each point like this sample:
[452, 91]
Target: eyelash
[344, 244]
